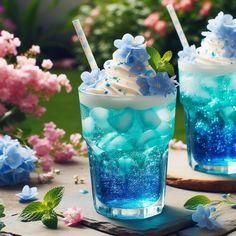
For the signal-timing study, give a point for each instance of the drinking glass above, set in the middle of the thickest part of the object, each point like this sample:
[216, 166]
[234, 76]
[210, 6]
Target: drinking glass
[127, 140]
[208, 95]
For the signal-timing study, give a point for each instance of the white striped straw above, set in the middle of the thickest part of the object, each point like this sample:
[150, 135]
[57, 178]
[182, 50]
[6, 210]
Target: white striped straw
[85, 45]
[177, 26]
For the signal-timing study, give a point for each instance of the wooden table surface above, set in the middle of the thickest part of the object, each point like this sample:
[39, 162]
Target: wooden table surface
[175, 220]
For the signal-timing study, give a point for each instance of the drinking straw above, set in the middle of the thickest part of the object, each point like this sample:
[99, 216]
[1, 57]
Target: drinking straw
[177, 26]
[84, 44]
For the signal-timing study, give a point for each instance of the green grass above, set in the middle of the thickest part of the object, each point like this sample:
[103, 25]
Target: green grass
[63, 110]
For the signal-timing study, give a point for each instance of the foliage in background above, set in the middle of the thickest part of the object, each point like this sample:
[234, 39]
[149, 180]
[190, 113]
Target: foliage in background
[105, 21]
[28, 27]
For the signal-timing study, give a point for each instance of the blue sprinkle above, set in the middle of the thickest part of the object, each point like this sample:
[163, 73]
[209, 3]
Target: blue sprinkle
[106, 92]
[224, 196]
[108, 85]
[83, 191]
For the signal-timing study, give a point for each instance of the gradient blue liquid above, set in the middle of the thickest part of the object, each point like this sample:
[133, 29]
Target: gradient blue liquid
[210, 120]
[128, 154]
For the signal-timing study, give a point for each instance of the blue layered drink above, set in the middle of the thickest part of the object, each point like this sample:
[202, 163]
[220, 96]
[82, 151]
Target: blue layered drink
[208, 93]
[127, 123]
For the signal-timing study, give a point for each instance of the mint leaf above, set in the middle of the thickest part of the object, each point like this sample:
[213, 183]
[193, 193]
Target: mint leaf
[50, 220]
[53, 197]
[33, 212]
[2, 211]
[155, 57]
[167, 56]
[2, 225]
[169, 69]
[193, 202]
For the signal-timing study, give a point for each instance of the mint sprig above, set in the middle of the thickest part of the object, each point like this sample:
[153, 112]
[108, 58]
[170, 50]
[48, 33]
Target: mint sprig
[193, 202]
[44, 211]
[2, 208]
[161, 64]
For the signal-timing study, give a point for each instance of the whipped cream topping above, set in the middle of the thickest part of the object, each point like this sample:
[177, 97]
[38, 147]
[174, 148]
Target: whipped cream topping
[218, 46]
[128, 73]
[118, 79]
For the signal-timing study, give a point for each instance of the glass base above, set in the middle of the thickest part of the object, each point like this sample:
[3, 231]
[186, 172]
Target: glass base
[217, 170]
[129, 214]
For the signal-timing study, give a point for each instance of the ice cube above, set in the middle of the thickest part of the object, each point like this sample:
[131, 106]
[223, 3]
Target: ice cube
[165, 130]
[209, 84]
[88, 126]
[125, 164]
[165, 115]
[146, 137]
[230, 113]
[106, 139]
[96, 150]
[119, 143]
[189, 85]
[122, 121]
[99, 114]
[150, 119]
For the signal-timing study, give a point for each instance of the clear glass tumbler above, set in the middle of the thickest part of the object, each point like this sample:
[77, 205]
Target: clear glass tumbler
[208, 95]
[127, 140]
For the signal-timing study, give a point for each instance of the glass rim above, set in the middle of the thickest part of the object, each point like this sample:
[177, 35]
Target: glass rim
[213, 69]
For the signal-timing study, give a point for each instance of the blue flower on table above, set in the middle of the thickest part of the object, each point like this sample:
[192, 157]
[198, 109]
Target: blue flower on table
[161, 84]
[188, 54]
[203, 218]
[90, 79]
[224, 27]
[28, 194]
[126, 44]
[16, 161]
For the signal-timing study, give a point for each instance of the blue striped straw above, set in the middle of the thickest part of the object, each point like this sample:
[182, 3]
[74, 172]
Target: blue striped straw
[84, 44]
[177, 26]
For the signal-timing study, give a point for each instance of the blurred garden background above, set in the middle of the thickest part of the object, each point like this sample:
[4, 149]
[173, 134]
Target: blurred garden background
[47, 23]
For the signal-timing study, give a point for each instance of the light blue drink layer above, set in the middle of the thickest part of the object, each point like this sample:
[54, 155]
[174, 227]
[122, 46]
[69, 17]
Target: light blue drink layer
[128, 155]
[209, 102]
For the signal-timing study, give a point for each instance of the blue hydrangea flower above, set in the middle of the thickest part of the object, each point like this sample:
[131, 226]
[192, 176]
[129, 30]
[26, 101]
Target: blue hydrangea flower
[126, 44]
[16, 162]
[188, 54]
[28, 194]
[161, 84]
[138, 67]
[202, 216]
[144, 87]
[224, 27]
[90, 79]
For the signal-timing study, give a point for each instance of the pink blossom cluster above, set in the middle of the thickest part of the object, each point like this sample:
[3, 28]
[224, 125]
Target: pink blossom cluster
[23, 83]
[72, 216]
[154, 22]
[187, 5]
[50, 147]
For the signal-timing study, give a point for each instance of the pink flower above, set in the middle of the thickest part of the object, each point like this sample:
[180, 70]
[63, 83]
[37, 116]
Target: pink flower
[75, 138]
[42, 147]
[73, 216]
[74, 38]
[167, 2]
[206, 7]
[47, 64]
[147, 35]
[46, 163]
[33, 140]
[152, 19]
[63, 152]
[150, 42]
[2, 9]
[8, 24]
[84, 147]
[161, 28]
[35, 49]
[184, 5]
[52, 133]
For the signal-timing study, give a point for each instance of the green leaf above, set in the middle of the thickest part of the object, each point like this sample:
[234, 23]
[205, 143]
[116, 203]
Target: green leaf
[167, 56]
[169, 69]
[2, 211]
[50, 220]
[53, 197]
[2, 225]
[33, 212]
[154, 54]
[193, 202]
